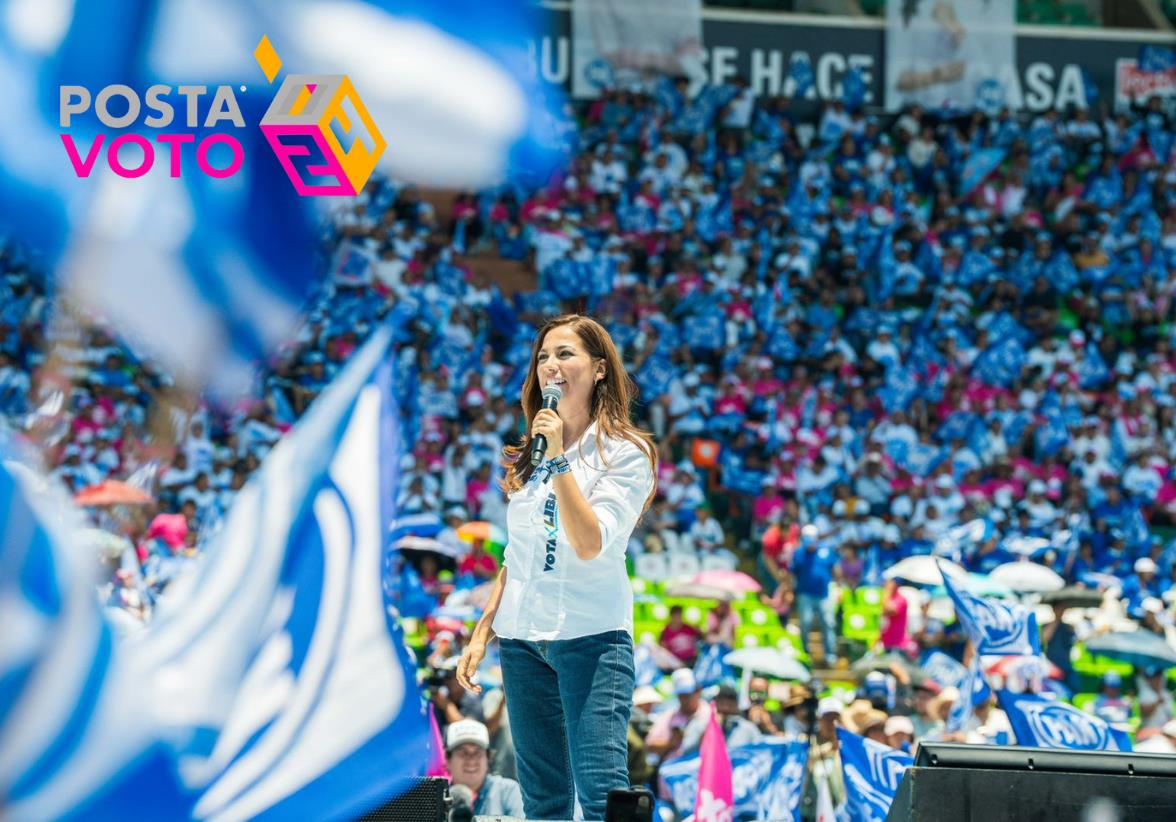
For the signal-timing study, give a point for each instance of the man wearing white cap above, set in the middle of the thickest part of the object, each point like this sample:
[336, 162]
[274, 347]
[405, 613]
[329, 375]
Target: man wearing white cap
[1139, 586]
[679, 732]
[467, 755]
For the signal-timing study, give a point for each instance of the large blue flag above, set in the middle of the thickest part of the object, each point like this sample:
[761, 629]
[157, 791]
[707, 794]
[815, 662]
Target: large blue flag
[283, 682]
[994, 627]
[75, 742]
[872, 775]
[1039, 722]
[767, 778]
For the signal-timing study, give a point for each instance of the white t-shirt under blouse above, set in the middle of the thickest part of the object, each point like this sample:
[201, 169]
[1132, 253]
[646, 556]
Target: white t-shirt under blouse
[553, 594]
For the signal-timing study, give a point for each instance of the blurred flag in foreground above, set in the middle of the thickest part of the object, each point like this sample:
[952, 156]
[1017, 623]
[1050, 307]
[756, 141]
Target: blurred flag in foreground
[282, 679]
[716, 797]
[275, 682]
[208, 272]
[74, 740]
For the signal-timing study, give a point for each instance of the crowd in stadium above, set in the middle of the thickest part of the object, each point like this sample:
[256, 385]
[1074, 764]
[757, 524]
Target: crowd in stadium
[834, 320]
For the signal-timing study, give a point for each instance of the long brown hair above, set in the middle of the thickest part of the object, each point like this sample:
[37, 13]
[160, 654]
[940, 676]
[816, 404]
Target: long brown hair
[611, 398]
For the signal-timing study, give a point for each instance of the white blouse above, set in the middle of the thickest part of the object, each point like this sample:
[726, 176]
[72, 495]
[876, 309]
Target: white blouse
[550, 593]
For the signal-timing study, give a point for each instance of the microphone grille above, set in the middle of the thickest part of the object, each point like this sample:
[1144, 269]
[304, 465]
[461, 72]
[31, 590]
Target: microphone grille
[553, 392]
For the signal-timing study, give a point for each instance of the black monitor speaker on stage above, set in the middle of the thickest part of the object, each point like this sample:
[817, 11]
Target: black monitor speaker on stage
[982, 782]
[425, 800]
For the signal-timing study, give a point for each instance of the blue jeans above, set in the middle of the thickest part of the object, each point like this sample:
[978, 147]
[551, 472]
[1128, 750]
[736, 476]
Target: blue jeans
[822, 609]
[569, 702]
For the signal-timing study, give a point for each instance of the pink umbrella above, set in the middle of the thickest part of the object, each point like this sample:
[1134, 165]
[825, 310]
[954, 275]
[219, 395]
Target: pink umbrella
[736, 582]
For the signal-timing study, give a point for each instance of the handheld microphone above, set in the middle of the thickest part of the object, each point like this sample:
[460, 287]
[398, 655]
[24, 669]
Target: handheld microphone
[551, 397]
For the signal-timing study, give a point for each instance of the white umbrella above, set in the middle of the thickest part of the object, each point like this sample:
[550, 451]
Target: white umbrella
[1028, 577]
[1025, 546]
[922, 570]
[412, 543]
[696, 590]
[768, 661]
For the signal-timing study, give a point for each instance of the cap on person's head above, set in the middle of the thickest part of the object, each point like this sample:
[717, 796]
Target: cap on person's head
[647, 695]
[1037, 487]
[456, 511]
[727, 691]
[1153, 670]
[1145, 565]
[929, 685]
[899, 725]
[684, 682]
[809, 533]
[944, 481]
[830, 705]
[1112, 679]
[875, 683]
[466, 730]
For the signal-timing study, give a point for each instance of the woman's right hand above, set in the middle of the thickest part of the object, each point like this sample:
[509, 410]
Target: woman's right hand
[467, 666]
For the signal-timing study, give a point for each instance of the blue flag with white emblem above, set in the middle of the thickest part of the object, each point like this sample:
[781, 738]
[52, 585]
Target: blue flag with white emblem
[75, 740]
[872, 775]
[995, 628]
[1039, 722]
[767, 778]
[980, 164]
[264, 654]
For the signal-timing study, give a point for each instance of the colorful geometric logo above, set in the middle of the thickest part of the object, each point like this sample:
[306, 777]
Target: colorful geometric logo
[319, 129]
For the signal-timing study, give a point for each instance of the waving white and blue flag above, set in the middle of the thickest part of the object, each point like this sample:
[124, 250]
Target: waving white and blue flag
[767, 778]
[74, 740]
[980, 164]
[1040, 722]
[265, 655]
[974, 690]
[872, 775]
[945, 670]
[994, 627]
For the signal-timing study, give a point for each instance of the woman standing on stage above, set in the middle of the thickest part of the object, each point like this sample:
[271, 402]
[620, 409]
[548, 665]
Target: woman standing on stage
[562, 607]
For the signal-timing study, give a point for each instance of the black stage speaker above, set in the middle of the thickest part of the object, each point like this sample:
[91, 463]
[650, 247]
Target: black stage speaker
[972, 783]
[426, 800]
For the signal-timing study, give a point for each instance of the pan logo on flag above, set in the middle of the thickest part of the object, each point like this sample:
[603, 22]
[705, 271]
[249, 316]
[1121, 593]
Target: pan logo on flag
[997, 624]
[885, 770]
[319, 129]
[1061, 726]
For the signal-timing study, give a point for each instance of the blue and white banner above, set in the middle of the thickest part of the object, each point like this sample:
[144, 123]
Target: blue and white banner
[994, 628]
[263, 654]
[872, 775]
[767, 777]
[1039, 722]
[75, 742]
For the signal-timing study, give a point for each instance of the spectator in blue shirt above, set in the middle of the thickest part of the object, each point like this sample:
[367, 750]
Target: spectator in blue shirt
[815, 565]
